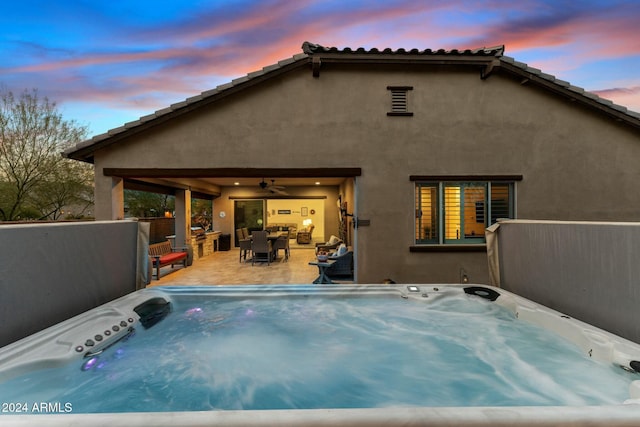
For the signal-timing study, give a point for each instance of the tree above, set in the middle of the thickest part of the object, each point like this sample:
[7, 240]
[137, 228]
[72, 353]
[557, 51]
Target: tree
[201, 213]
[143, 204]
[66, 193]
[32, 136]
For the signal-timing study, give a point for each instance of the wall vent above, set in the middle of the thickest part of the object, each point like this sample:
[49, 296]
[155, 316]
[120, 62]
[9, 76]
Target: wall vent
[399, 100]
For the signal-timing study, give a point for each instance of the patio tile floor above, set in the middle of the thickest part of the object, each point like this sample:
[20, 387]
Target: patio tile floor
[223, 268]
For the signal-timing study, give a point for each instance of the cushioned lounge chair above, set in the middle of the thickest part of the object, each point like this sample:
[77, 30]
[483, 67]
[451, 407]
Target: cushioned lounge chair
[342, 268]
[330, 245]
[304, 236]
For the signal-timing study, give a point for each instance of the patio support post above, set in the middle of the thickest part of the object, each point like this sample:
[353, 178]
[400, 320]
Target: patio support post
[109, 197]
[183, 217]
[117, 198]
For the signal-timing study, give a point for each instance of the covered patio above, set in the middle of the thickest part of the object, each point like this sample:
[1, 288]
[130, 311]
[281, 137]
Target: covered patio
[223, 268]
[225, 186]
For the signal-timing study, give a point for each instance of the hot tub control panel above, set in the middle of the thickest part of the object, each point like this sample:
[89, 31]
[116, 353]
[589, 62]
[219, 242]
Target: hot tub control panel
[111, 328]
[99, 341]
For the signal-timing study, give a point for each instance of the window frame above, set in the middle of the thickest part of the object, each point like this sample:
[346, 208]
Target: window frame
[439, 183]
[462, 206]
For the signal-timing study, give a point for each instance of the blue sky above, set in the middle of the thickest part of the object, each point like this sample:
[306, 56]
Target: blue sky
[106, 63]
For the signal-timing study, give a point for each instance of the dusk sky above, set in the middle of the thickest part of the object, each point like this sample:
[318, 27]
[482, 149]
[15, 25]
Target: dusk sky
[106, 63]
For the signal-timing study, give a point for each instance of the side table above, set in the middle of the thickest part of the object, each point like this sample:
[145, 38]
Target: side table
[322, 268]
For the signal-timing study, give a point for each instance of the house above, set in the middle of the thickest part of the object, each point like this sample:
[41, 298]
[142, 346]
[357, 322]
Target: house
[406, 154]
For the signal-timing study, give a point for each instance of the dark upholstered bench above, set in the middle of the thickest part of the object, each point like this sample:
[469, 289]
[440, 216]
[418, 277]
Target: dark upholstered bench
[163, 254]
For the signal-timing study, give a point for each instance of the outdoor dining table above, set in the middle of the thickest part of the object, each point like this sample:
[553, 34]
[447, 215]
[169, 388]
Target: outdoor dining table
[273, 236]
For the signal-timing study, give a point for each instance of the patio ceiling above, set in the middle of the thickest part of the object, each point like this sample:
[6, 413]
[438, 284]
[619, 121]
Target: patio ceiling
[209, 182]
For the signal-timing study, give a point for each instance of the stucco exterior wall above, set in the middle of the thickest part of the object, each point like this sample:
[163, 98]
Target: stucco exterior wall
[575, 163]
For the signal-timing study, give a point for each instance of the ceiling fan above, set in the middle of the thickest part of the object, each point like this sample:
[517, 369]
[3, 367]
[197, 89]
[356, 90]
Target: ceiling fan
[272, 188]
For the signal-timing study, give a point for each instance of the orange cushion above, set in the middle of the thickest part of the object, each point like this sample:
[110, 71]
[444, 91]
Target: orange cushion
[172, 257]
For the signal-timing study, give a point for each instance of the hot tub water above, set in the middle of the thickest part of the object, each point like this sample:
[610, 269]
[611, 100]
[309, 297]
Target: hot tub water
[306, 351]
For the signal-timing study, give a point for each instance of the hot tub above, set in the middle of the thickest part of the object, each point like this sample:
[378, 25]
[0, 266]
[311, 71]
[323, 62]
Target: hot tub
[301, 355]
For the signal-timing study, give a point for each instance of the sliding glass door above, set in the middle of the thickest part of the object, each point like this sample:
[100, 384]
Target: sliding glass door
[249, 214]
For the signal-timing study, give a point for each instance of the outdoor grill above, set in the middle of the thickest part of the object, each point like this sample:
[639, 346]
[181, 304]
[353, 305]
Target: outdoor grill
[198, 234]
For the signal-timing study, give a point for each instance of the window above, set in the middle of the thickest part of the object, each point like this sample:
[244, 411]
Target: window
[450, 212]
[399, 101]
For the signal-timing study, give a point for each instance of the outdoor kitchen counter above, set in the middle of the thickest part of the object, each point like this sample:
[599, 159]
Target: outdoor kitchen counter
[201, 247]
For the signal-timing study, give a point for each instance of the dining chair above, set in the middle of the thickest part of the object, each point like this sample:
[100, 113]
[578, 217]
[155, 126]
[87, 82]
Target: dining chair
[244, 243]
[282, 242]
[261, 248]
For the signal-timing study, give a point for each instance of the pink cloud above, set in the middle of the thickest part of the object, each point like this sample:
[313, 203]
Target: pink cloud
[619, 91]
[95, 59]
[626, 96]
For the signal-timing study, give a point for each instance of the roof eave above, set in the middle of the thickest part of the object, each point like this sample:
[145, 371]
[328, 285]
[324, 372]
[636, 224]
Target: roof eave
[482, 56]
[573, 93]
[405, 59]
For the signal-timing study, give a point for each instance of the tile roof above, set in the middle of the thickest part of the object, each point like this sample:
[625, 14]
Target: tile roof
[485, 55]
[313, 49]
